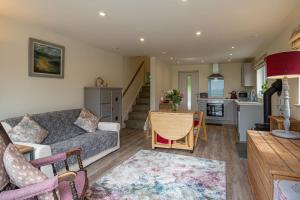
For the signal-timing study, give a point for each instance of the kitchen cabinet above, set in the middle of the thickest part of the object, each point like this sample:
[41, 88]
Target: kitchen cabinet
[248, 114]
[248, 75]
[228, 117]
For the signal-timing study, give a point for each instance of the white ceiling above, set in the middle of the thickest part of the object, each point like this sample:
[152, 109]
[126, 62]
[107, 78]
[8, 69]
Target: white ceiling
[166, 25]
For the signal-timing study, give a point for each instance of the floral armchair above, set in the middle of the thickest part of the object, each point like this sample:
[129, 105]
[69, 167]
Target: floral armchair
[69, 185]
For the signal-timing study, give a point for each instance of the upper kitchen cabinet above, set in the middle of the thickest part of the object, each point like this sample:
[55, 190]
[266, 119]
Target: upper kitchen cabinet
[248, 75]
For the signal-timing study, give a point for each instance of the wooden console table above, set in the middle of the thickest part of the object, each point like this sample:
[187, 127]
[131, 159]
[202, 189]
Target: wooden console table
[271, 158]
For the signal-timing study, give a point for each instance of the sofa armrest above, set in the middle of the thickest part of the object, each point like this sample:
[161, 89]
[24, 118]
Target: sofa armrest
[41, 151]
[109, 126]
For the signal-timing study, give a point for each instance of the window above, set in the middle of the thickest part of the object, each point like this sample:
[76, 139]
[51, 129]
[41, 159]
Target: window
[261, 75]
[216, 87]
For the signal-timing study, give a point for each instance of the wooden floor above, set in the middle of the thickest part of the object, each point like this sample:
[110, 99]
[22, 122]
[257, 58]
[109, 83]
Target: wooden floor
[220, 146]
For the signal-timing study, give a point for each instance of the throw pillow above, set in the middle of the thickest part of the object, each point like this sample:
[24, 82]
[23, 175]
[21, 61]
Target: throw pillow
[87, 121]
[28, 131]
[4, 180]
[21, 172]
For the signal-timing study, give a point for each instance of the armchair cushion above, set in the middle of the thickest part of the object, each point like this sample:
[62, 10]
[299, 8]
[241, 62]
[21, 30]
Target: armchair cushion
[87, 121]
[28, 131]
[80, 183]
[4, 180]
[21, 172]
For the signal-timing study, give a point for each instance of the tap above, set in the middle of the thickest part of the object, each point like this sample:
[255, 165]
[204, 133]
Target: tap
[253, 95]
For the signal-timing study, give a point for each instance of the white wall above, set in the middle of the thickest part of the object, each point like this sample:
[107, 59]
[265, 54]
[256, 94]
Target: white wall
[21, 94]
[230, 71]
[160, 80]
[280, 44]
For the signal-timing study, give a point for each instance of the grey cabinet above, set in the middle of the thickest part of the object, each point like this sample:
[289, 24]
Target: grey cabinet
[248, 75]
[105, 103]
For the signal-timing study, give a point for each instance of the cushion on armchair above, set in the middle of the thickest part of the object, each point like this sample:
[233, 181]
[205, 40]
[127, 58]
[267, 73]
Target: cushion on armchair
[87, 121]
[21, 172]
[28, 131]
[4, 180]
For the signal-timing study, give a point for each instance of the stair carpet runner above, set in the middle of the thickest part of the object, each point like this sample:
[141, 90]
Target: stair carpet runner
[138, 116]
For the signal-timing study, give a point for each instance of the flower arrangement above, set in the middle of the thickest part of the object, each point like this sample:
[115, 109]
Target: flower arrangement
[175, 98]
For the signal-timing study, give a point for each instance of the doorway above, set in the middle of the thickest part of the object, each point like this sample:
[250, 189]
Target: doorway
[188, 84]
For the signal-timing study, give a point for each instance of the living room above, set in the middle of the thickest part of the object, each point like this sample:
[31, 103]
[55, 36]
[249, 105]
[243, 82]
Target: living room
[178, 95]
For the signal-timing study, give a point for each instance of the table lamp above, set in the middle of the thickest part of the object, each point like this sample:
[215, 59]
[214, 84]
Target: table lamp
[283, 66]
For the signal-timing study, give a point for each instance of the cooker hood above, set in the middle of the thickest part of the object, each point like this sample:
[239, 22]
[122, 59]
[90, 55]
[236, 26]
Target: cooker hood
[215, 72]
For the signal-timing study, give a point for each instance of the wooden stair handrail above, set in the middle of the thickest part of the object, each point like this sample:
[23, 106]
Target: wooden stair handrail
[133, 78]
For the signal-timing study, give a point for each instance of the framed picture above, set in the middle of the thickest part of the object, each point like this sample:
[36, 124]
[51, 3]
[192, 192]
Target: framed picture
[46, 59]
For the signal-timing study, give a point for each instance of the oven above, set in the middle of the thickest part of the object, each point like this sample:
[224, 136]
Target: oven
[215, 108]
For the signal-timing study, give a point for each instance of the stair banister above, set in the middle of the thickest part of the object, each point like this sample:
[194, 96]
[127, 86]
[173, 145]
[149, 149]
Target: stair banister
[133, 78]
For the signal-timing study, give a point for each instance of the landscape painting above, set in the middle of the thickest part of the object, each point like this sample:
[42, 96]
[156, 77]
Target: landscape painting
[46, 59]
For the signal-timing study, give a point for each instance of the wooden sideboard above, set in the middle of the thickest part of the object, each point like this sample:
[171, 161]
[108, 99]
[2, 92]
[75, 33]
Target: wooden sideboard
[106, 103]
[271, 158]
[276, 122]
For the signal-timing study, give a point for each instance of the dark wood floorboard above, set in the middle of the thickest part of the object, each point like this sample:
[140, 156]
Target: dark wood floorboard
[220, 146]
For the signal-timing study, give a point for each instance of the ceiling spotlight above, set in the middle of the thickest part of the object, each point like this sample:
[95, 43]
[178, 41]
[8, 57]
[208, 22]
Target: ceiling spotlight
[171, 58]
[198, 33]
[164, 52]
[230, 54]
[184, 1]
[102, 14]
[232, 47]
[142, 39]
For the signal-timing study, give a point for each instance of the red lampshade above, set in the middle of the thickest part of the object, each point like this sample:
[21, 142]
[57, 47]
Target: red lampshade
[285, 64]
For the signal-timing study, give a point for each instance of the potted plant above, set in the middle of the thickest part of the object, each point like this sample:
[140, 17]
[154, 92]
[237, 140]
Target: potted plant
[175, 98]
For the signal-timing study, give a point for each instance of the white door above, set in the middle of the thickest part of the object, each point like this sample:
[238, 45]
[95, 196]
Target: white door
[188, 84]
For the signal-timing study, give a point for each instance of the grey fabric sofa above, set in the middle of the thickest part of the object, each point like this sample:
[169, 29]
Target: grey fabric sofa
[64, 135]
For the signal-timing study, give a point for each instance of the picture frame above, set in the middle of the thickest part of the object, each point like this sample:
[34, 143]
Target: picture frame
[45, 59]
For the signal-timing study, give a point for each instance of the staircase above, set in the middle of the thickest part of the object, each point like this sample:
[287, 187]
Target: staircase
[137, 117]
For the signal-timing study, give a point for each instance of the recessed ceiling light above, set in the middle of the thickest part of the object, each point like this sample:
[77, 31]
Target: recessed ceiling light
[171, 58]
[232, 47]
[102, 14]
[142, 39]
[164, 52]
[198, 33]
[184, 1]
[230, 54]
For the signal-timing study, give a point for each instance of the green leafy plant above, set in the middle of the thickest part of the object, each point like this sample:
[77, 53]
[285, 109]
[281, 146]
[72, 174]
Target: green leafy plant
[175, 97]
[264, 87]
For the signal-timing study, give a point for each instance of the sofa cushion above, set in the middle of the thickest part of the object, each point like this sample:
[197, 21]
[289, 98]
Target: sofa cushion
[87, 121]
[90, 143]
[59, 124]
[21, 172]
[28, 131]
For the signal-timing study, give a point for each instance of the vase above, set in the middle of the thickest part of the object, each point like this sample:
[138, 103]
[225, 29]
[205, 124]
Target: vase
[174, 106]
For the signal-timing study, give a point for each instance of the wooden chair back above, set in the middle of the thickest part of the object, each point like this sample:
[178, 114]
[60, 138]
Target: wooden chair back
[172, 126]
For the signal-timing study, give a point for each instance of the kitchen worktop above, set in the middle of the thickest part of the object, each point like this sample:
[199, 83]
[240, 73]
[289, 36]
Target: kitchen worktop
[248, 103]
[238, 102]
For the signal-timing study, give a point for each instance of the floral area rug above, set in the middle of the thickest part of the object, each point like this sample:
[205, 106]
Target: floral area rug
[156, 175]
